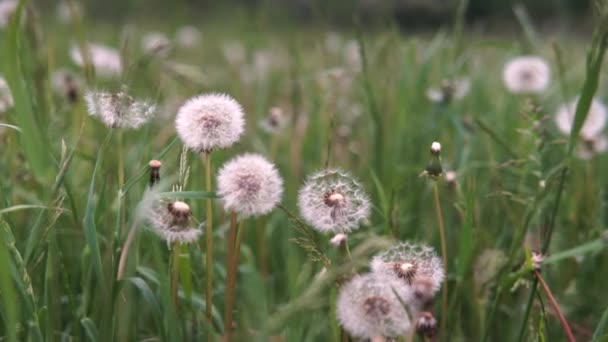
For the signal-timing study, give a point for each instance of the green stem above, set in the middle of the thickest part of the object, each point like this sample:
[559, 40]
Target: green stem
[234, 248]
[209, 246]
[444, 256]
[176, 251]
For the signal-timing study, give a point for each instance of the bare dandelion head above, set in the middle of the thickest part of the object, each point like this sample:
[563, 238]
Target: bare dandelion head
[249, 185]
[67, 84]
[119, 110]
[171, 222]
[338, 240]
[105, 60]
[7, 10]
[188, 36]
[209, 122]
[449, 90]
[369, 305]
[594, 122]
[6, 97]
[527, 75]
[333, 201]
[408, 262]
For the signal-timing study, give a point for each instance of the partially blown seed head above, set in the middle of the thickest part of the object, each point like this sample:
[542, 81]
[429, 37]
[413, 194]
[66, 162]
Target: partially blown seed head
[119, 110]
[526, 75]
[210, 121]
[249, 185]
[370, 305]
[410, 262]
[332, 201]
[171, 222]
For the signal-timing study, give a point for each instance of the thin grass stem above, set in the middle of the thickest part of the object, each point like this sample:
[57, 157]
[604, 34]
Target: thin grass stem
[444, 256]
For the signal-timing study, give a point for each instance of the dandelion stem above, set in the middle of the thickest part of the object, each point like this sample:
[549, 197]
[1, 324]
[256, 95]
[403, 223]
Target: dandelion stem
[209, 245]
[444, 256]
[560, 315]
[121, 176]
[176, 250]
[234, 247]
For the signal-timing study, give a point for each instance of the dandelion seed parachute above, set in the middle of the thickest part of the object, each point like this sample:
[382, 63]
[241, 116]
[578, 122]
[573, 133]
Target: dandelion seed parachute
[249, 185]
[527, 75]
[119, 109]
[332, 201]
[421, 259]
[371, 305]
[210, 121]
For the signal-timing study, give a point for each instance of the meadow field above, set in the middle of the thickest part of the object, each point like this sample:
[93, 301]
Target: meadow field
[168, 179]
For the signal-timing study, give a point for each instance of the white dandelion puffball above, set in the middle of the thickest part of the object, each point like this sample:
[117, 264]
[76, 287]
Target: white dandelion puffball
[210, 121]
[526, 75]
[370, 305]
[6, 97]
[449, 90]
[171, 222]
[105, 60]
[188, 36]
[594, 123]
[156, 43]
[332, 201]
[66, 84]
[119, 110]
[7, 9]
[249, 185]
[409, 262]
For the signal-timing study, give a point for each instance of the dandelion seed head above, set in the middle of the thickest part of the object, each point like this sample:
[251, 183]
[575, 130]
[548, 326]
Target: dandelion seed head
[6, 97]
[171, 222]
[66, 84]
[408, 262]
[527, 75]
[210, 121]
[234, 53]
[188, 36]
[449, 90]
[7, 10]
[119, 110]
[156, 43]
[369, 305]
[249, 185]
[594, 122]
[105, 60]
[333, 201]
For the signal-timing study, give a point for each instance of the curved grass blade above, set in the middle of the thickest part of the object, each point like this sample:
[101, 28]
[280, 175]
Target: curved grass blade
[90, 329]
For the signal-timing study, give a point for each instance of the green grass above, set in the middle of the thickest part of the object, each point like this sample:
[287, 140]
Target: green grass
[61, 201]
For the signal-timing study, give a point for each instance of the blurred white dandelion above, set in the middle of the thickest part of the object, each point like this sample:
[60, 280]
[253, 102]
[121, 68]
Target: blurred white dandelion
[352, 56]
[171, 221]
[333, 201]
[594, 123]
[188, 36]
[66, 84]
[210, 121]
[249, 185]
[275, 122]
[6, 97]
[119, 110]
[371, 305]
[156, 43]
[449, 90]
[7, 9]
[527, 75]
[409, 261]
[234, 52]
[105, 60]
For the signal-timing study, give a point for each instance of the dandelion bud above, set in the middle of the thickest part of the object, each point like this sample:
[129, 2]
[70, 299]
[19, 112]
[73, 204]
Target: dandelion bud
[426, 326]
[338, 240]
[154, 166]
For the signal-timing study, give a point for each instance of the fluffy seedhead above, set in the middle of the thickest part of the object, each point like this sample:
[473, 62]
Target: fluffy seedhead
[171, 222]
[369, 306]
[105, 60]
[332, 201]
[527, 75]
[209, 122]
[67, 85]
[188, 36]
[593, 141]
[155, 43]
[6, 97]
[449, 90]
[408, 263]
[119, 110]
[275, 122]
[249, 185]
